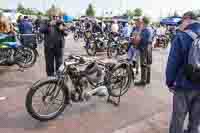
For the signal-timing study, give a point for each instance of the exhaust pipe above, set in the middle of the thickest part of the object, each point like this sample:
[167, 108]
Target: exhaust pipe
[89, 94]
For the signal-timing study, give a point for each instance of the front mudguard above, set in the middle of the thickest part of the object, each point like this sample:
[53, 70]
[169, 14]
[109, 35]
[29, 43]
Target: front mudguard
[66, 88]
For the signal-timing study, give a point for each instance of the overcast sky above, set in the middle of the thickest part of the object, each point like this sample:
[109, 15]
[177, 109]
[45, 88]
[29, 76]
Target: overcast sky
[153, 8]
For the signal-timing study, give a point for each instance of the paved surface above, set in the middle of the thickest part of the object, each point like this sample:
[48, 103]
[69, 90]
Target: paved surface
[142, 110]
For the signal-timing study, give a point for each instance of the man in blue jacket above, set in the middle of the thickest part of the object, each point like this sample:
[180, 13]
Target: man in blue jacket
[25, 26]
[186, 97]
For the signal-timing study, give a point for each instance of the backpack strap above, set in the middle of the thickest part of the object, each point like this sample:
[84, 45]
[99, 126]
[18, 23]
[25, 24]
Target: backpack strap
[192, 34]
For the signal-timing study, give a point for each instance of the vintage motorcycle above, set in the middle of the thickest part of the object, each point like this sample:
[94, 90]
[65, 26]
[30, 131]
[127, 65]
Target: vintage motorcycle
[117, 45]
[13, 52]
[97, 42]
[77, 81]
[78, 33]
[162, 41]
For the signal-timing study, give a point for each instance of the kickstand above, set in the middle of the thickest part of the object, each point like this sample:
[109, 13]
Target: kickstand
[110, 100]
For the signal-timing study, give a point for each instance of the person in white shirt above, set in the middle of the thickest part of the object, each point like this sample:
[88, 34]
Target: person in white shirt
[161, 31]
[115, 27]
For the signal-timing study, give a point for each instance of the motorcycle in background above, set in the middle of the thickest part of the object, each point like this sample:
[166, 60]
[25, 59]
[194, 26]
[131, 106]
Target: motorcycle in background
[12, 52]
[162, 41]
[117, 46]
[97, 42]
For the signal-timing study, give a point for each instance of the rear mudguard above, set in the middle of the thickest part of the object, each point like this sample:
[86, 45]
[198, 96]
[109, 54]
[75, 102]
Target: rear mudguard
[131, 74]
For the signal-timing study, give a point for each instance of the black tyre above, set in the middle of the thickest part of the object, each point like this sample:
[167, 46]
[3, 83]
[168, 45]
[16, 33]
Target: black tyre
[44, 98]
[91, 49]
[76, 36]
[26, 57]
[120, 82]
[40, 38]
[166, 43]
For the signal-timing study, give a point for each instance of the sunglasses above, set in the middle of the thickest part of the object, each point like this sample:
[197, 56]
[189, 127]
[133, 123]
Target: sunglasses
[55, 16]
[186, 17]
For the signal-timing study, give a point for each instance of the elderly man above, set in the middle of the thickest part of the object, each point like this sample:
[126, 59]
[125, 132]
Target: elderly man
[25, 26]
[144, 39]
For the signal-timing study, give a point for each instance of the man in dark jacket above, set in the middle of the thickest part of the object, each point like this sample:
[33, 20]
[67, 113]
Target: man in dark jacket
[186, 98]
[54, 41]
[26, 28]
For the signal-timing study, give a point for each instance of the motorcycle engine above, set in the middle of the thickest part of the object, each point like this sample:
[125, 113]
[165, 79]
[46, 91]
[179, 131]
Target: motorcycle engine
[77, 93]
[6, 54]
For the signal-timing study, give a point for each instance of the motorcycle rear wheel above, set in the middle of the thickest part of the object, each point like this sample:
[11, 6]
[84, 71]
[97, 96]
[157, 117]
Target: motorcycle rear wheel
[120, 81]
[26, 57]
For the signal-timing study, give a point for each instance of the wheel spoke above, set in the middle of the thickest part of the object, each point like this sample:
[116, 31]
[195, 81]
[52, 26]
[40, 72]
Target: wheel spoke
[47, 108]
[40, 108]
[43, 94]
[56, 103]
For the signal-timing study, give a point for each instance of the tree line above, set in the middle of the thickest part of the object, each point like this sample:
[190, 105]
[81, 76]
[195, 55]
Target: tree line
[90, 11]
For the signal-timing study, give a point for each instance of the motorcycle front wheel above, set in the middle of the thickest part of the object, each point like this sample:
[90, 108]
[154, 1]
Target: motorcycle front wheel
[46, 100]
[91, 49]
[76, 36]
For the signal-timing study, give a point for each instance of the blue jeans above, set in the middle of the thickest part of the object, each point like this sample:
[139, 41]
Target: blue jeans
[133, 54]
[186, 102]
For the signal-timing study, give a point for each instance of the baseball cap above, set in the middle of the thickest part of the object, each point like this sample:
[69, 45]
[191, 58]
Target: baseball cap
[186, 15]
[190, 15]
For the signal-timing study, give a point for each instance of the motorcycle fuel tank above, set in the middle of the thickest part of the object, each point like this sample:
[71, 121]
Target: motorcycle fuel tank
[3, 46]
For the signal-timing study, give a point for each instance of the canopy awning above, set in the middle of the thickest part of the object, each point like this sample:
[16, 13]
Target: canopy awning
[68, 18]
[171, 21]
